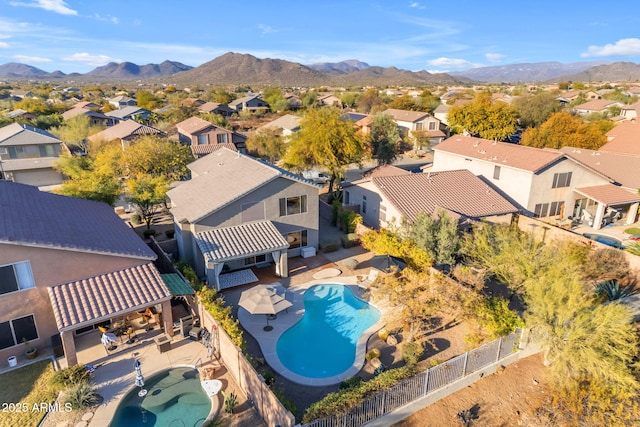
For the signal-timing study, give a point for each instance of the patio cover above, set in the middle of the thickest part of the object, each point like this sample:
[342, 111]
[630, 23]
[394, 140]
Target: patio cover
[88, 301]
[609, 194]
[176, 285]
[219, 245]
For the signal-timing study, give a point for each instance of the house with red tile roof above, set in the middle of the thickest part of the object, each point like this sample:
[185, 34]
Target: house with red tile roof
[125, 132]
[596, 106]
[624, 138]
[197, 131]
[389, 195]
[410, 123]
[542, 182]
[67, 266]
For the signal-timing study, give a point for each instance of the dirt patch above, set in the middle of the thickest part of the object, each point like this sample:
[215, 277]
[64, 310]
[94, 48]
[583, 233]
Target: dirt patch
[503, 399]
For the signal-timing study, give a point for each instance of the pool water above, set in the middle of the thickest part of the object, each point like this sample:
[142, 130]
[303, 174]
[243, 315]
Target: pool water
[174, 398]
[605, 240]
[323, 343]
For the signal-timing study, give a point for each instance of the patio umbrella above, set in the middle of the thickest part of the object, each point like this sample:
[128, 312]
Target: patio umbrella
[139, 378]
[388, 263]
[264, 299]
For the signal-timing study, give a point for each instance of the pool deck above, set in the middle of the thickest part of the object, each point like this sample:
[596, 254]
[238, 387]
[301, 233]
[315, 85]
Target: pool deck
[268, 339]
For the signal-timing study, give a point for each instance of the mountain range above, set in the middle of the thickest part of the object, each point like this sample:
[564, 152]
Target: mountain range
[244, 69]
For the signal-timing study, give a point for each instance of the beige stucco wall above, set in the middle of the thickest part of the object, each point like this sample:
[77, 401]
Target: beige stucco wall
[49, 267]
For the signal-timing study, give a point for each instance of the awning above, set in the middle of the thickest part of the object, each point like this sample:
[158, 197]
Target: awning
[176, 285]
[88, 301]
[609, 194]
[239, 241]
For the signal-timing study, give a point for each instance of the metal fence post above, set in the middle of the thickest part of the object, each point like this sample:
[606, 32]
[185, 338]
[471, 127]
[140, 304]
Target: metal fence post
[426, 382]
[464, 367]
[499, 349]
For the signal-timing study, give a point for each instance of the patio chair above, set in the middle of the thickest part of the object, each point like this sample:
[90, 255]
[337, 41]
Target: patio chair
[131, 334]
[372, 277]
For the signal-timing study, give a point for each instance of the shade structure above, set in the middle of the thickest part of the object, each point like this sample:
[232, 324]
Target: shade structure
[387, 263]
[264, 299]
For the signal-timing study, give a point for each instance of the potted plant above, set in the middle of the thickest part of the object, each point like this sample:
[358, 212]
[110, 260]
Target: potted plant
[30, 352]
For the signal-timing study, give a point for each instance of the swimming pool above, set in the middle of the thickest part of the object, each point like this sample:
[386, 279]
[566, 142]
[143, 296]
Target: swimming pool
[605, 240]
[174, 397]
[324, 342]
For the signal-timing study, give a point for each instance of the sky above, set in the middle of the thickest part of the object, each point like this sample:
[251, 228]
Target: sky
[437, 36]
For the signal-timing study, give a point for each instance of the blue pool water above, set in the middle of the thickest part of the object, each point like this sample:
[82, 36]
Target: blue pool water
[323, 343]
[606, 240]
[174, 397]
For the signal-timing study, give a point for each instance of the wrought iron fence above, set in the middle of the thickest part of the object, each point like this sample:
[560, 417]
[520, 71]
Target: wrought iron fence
[424, 383]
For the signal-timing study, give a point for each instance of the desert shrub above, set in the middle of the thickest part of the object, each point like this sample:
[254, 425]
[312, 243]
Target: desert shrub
[351, 383]
[149, 232]
[330, 246]
[69, 376]
[374, 353]
[190, 274]
[350, 240]
[351, 264]
[170, 233]
[411, 353]
[497, 318]
[81, 395]
[606, 264]
[136, 219]
[221, 312]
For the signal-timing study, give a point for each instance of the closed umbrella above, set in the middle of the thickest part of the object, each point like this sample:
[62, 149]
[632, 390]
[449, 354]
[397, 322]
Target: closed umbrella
[139, 378]
[264, 299]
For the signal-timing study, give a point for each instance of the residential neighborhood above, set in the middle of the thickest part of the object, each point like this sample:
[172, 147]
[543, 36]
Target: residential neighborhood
[287, 246]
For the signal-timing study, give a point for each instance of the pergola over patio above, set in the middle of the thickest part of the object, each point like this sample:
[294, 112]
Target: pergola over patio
[101, 298]
[220, 245]
[609, 195]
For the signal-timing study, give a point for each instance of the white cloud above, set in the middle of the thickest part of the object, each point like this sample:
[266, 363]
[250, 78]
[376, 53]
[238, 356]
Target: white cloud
[30, 59]
[494, 57]
[57, 6]
[94, 60]
[452, 63]
[623, 47]
[266, 29]
[107, 18]
[4, 45]
[417, 5]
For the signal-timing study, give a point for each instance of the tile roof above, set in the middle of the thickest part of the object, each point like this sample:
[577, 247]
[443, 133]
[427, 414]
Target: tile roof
[500, 153]
[458, 191]
[35, 218]
[203, 149]
[288, 121]
[208, 107]
[126, 111]
[244, 99]
[609, 194]
[624, 138]
[405, 115]
[238, 241]
[621, 168]
[231, 174]
[69, 114]
[384, 170]
[124, 129]
[96, 298]
[193, 124]
[19, 134]
[596, 104]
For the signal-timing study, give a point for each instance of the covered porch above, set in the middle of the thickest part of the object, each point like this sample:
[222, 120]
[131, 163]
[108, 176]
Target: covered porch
[107, 301]
[601, 205]
[239, 247]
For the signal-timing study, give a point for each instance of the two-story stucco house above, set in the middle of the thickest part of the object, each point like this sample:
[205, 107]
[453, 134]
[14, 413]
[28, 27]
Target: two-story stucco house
[411, 123]
[27, 155]
[542, 182]
[68, 265]
[196, 131]
[238, 211]
[252, 102]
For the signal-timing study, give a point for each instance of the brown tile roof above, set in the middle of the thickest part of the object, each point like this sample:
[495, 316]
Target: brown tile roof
[204, 149]
[384, 170]
[208, 107]
[624, 138]
[405, 115]
[609, 194]
[101, 297]
[193, 125]
[458, 191]
[288, 121]
[500, 153]
[125, 129]
[596, 104]
[35, 218]
[621, 168]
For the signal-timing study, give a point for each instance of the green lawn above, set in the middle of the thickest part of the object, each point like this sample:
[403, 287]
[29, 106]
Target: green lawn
[21, 390]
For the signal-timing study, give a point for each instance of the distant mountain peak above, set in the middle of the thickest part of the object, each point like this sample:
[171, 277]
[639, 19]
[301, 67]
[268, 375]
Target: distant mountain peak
[342, 67]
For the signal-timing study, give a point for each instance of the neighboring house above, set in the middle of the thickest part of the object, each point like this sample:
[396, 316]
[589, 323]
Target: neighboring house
[196, 131]
[96, 118]
[390, 195]
[202, 150]
[87, 104]
[251, 102]
[634, 90]
[543, 182]
[192, 102]
[20, 94]
[287, 125]
[130, 113]
[122, 101]
[68, 265]
[238, 211]
[596, 106]
[412, 122]
[329, 100]
[27, 155]
[125, 132]
[442, 110]
[295, 103]
[630, 112]
[624, 138]
[363, 125]
[216, 108]
[21, 114]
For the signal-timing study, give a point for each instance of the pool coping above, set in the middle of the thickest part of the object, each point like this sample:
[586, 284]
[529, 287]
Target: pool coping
[254, 324]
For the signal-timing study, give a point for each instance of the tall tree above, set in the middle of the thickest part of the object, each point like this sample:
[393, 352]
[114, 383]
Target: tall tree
[157, 156]
[147, 192]
[536, 109]
[385, 138]
[267, 143]
[75, 131]
[481, 117]
[563, 129]
[327, 141]
[368, 100]
[437, 236]
[147, 100]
